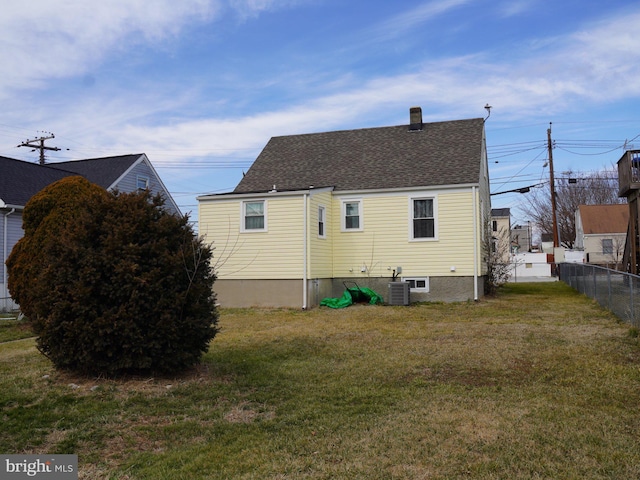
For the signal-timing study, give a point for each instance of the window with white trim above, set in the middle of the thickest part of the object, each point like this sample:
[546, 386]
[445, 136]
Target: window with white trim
[352, 215]
[254, 216]
[607, 246]
[322, 216]
[417, 284]
[423, 218]
[142, 182]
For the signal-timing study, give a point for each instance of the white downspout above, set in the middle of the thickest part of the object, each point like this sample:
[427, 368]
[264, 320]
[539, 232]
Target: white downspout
[475, 245]
[5, 241]
[304, 253]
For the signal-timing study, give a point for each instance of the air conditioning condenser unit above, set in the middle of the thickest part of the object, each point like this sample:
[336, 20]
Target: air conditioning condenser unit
[399, 293]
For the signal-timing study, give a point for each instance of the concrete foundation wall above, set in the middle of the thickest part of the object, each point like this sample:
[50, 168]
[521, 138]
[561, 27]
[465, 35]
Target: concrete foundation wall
[441, 289]
[259, 293]
[288, 293]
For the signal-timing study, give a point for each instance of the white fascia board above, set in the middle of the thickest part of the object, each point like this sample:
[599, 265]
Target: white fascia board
[126, 172]
[8, 206]
[269, 194]
[144, 159]
[425, 188]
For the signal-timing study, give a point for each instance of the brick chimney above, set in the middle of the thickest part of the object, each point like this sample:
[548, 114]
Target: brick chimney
[415, 119]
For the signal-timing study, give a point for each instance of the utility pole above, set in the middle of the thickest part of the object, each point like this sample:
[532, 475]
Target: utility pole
[41, 146]
[556, 242]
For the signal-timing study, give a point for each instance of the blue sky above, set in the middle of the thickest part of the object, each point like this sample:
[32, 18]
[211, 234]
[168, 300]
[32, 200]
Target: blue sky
[201, 85]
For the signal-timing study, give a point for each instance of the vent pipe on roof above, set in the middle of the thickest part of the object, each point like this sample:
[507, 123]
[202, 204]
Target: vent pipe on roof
[415, 118]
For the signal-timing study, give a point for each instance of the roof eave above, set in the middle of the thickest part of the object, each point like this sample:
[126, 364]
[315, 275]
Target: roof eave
[9, 206]
[262, 194]
[271, 193]
[419, 188]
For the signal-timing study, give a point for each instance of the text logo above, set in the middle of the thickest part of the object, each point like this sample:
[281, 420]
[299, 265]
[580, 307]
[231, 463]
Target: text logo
[50, 467]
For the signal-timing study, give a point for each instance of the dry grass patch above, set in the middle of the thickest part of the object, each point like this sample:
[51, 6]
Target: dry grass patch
[538, 382]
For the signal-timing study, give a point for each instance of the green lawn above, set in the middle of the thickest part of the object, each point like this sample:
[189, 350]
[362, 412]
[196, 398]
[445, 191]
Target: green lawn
[13, 329]
[538, 383]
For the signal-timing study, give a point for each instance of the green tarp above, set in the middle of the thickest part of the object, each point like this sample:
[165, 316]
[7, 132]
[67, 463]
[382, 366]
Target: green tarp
[351, 296]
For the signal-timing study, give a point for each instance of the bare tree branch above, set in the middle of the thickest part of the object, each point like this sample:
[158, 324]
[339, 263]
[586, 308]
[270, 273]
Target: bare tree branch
[572, 190]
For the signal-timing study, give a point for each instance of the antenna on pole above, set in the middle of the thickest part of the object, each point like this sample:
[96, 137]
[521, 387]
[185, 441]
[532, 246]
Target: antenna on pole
[41, 146]
[487, 107]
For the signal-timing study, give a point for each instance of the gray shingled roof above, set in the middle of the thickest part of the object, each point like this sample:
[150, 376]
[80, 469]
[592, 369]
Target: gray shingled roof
[20, 180]
[102, 171]
[442, 153]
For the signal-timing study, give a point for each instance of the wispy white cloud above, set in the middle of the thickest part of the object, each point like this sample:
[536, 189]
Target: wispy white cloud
[400, 24]
[595, 65]
[607, 57]
[512, 8]
[599, 64]
[253, 8]
[45, 39]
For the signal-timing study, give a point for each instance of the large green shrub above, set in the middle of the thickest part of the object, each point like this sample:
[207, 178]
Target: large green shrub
[113, 283]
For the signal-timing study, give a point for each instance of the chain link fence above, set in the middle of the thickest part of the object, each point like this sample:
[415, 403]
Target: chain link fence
[616, 291]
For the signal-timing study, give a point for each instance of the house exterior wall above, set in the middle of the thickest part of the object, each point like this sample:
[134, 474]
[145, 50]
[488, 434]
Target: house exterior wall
[320, 249]
[593, 248]
[483, 203]
[266, 268]
[274, 254]
[12, 221]
[384, 242]
[521, 239]
[501, 236]
[129, 183]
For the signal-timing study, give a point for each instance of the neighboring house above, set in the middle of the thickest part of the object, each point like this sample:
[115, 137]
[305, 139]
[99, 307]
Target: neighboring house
[521, 239]
[20, 180]
[546, 243]
[500, 232]
[601, 232]
[371, 205]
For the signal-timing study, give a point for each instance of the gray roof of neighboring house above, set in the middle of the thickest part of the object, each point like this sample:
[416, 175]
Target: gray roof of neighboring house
[102, 171]
[441, 153]
[20, 180]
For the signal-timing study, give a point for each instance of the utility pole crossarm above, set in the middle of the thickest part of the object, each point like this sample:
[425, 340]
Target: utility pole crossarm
[41, 146]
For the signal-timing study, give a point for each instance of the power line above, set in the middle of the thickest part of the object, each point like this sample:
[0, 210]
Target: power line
[521, 189]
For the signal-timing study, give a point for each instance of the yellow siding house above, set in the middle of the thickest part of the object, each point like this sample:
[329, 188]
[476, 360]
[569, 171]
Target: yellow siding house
[373, 206]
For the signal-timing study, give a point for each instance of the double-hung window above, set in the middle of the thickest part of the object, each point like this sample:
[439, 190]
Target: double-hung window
[607, 246]
[423, 217]
[352, 215]
[254, 216]
[322, 215]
